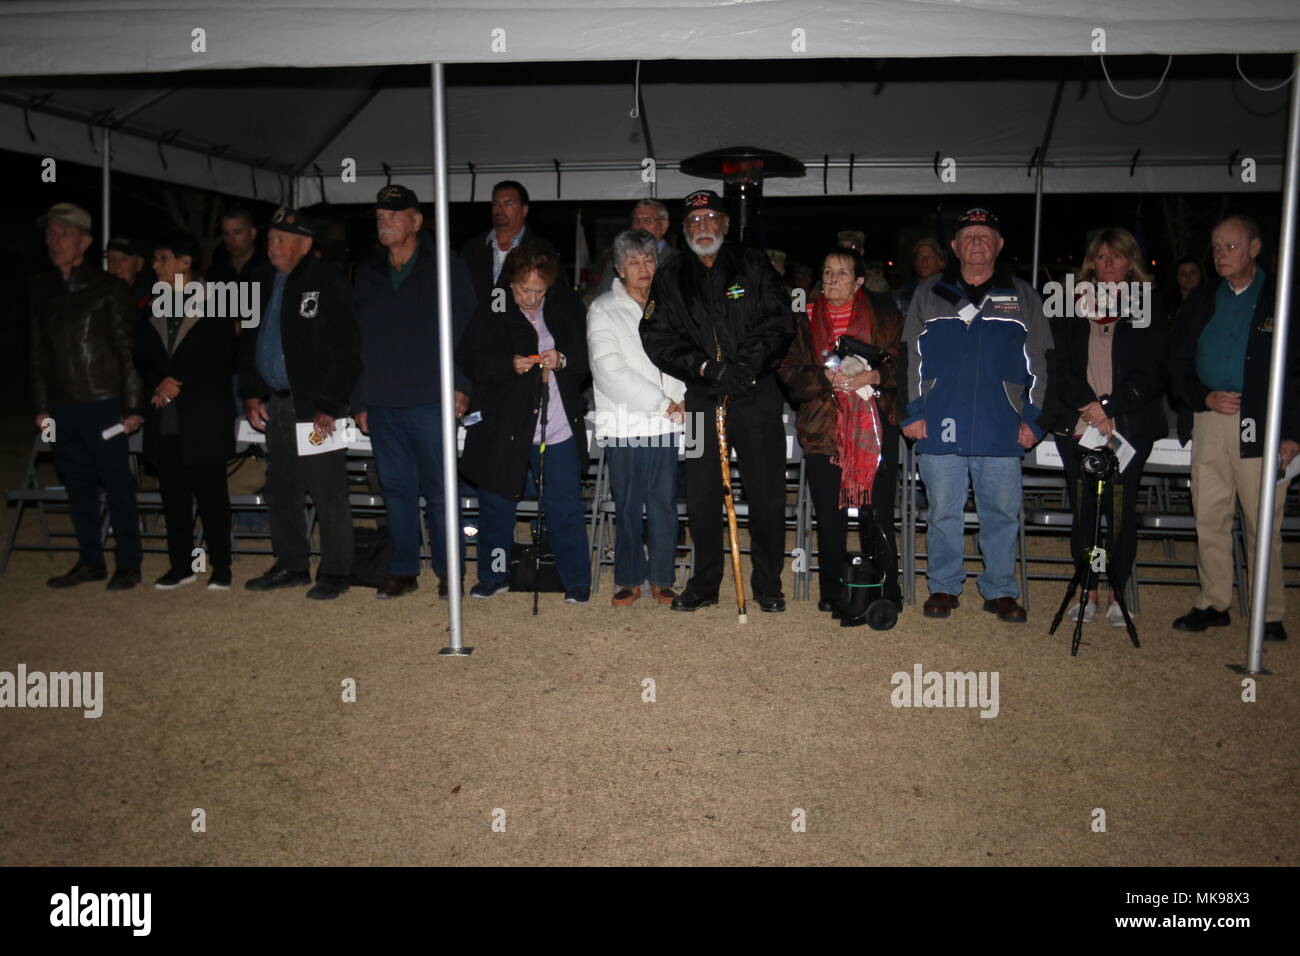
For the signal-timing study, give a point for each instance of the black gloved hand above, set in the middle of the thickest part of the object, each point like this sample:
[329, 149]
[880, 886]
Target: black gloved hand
[735, 379]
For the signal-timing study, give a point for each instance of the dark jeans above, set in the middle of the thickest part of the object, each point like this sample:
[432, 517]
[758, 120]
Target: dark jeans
[566, 524]
[833, 521]
[180, 485]
[755, 431]
[644, 479]
[1118, 527]
[408, 454]
[288, 478]
[85, 460]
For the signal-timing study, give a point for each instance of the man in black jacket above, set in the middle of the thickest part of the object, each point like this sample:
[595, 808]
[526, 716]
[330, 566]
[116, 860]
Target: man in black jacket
[399, 396]
[84, 381]
[717, 320]
[299, 366]
[1219, 369]
[486, 253]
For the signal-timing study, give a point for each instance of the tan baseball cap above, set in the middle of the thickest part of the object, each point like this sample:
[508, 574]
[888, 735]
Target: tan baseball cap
[68, 214]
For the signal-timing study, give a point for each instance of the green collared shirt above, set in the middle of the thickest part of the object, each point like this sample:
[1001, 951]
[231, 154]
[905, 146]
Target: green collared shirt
[398, 276]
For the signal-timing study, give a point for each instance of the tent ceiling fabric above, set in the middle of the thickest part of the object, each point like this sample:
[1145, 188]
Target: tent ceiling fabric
[892, 121]
[44, 37]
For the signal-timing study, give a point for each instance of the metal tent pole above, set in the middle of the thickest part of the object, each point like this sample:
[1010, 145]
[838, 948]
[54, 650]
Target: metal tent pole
[1038, 222]
[451, 482]
[105, 200]
[1276, 382]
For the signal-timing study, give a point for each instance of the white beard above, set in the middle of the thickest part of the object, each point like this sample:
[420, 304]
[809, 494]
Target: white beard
[702, 250]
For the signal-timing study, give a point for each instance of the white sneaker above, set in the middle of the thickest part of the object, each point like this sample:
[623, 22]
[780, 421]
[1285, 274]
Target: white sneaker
[1089, 612]
[1115, 617]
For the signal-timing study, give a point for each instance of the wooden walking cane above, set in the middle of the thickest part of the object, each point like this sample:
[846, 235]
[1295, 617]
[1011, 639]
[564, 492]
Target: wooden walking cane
[724, 457]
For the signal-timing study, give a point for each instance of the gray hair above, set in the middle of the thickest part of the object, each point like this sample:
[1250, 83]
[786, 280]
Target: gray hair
[634, 242]
[654, 204]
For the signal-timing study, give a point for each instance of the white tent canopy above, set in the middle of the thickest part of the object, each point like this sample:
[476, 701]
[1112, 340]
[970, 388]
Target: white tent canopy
[44, 37]
[253, 134]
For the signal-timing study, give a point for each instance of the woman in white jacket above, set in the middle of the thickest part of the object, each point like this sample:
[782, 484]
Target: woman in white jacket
[639, 411]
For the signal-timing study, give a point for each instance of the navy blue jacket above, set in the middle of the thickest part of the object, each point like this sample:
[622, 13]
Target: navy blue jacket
[1191, 391]
[399, 329]
[975, 371]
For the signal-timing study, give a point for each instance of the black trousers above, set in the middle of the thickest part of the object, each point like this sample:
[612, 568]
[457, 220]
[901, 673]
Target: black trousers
[1118, 526]
[833, 521]
[754, 430]
[289, 477]
[180, 485]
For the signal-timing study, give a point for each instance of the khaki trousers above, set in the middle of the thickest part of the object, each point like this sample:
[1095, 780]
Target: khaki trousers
[1220, 474]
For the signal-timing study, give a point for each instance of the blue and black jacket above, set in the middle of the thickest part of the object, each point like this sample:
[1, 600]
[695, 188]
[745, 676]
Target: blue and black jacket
[975, 371]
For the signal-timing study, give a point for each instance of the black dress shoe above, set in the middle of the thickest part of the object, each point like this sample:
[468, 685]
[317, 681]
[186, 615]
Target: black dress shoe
[1274, 631]
[690, 600]
[78, 575]
[1198, 619]
[328, 587]
[395, 585]
[771, 603]
[825, 605]
[124, 579]
[278, 577]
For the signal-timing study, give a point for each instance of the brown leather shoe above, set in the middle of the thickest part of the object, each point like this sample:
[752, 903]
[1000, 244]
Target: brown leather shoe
[395, 585]
[625, 597]
[1006, 609]
[940, 604]
[662, 595]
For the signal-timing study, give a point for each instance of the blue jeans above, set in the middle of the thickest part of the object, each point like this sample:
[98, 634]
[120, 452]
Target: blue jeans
[997, 500]
[85, 460]
[644, 478]
[408, 454]
[566, 523]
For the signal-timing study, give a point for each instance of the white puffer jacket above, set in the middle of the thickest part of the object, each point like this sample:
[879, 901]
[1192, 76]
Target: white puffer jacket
[631, 393]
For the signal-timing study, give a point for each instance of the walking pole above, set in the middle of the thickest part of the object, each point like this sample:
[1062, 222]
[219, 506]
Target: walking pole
[724, 456]
[541, 486]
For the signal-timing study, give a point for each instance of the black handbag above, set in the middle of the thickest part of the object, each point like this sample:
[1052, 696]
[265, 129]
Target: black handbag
[524, 569]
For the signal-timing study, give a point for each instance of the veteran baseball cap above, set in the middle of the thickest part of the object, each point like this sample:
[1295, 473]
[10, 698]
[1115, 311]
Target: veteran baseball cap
[291, 220]
[978, 216]
[68, 214]
[396, 198]
[704, 199]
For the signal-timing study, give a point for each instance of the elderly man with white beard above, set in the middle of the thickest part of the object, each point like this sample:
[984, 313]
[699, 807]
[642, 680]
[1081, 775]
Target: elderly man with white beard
[397, 397]
[717, 320]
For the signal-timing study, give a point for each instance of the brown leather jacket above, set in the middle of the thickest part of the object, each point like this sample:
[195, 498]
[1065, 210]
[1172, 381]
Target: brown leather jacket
[810, 393]
[83, 337]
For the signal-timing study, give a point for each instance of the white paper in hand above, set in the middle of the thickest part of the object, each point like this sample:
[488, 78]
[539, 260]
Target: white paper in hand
[309, 443]
[112, 431]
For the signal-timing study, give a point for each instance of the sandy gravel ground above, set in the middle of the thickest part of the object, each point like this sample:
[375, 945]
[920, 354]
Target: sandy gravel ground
[232, 703]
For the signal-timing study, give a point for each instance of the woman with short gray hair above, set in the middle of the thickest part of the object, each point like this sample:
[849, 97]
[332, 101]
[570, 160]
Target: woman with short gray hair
[638, 413]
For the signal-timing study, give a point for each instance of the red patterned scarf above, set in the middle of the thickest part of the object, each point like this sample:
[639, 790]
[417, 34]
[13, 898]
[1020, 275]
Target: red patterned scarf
[857, 424]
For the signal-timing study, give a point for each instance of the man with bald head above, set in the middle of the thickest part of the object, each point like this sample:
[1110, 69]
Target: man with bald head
[299, 365]
[1219, 369]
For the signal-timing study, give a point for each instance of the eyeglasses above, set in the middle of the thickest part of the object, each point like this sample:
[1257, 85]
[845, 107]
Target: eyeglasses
[1225, 246]
[646, 220]
[699, 218]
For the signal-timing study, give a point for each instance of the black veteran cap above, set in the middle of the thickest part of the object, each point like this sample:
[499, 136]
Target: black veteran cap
[396, 198]
[704, 199]
[291, 220]
[978, 216]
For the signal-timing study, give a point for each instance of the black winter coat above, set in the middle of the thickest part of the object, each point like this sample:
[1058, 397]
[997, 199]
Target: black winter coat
[1186, 384]
[734, 310]
[321, 350]
[203, 362]
[497, 448]
[1138, 376]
